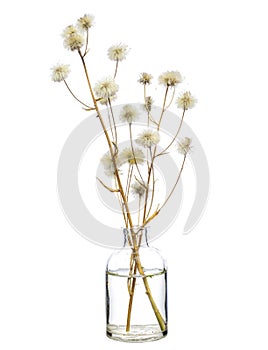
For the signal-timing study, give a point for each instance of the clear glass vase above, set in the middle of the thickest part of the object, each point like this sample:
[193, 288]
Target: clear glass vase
[136, 290]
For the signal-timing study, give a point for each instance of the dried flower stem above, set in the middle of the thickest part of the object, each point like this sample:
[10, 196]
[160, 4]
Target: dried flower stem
[175, 184]
[86, 46]
[163, 108]
[131, 293]
[146, 107]
[110, 123]
[139, 211]
[149, 114]
[153, 189]
[151, 166]
[116, 68]
[77, 99]
[132, 149]
[114, 124]
[129, 177]
[171, 100]
[174, 138]
[107, 187]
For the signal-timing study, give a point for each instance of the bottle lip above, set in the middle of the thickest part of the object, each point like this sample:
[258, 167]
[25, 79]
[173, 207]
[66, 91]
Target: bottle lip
[136, 229]
[140, 232]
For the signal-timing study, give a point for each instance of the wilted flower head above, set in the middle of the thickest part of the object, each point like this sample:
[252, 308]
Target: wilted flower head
[184, 146]
[60, 72]
[145, 78]
[170, 78]
[186, 101]
[148, 138]
[129, 114]
[69, 30]
[148, 103]
[73, 40]
[127, 156]
[85, 22]
[106, 88]
[118, 52]
[138, 189]
[108, 164]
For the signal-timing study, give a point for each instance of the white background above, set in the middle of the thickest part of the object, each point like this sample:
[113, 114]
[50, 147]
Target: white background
[51, 279]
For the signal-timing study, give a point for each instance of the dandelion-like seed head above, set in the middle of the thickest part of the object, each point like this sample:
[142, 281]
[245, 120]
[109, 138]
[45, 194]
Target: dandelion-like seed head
[186, 101]
[69, 30]
[132, 156]
[74, 41]
[138, 189]
[170, 78]
[145, 78]
[184, 146]
[118, 52]
[106, 88]
[60, 72]
[148, 138]
[85, 22]
[129, 114]
[108, 164]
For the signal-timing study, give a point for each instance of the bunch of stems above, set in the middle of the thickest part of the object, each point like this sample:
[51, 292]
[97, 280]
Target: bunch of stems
[148, 212]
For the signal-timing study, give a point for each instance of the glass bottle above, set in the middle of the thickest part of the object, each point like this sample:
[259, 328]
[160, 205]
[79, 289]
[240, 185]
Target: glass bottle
[136, 290]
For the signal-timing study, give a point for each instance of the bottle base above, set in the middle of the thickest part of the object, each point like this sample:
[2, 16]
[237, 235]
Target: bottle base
[137, 333]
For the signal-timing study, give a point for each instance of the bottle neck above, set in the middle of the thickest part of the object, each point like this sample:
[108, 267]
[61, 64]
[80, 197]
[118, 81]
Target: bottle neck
[136, 237]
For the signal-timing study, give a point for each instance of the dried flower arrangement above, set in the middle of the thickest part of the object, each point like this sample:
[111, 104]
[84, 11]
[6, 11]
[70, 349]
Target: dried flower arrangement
[131, 169]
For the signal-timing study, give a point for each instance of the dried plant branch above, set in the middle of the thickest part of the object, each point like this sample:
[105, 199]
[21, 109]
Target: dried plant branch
[107, 187]
[77, 99]
[174, 137]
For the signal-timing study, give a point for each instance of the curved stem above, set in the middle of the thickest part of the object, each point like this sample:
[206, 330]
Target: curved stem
[173, 188]
[172, 97]
[116, 69]
[77, 99]
[163, 108]
[175, 136]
